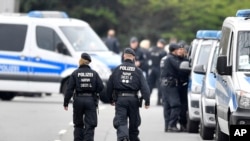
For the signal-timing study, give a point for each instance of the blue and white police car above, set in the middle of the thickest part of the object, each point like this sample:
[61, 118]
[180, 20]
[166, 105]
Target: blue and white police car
[40, 50]
[197, 61]
[232, 90]
[207, 98]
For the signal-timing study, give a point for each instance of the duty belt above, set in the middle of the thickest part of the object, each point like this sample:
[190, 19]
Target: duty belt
[126, 94]
[133, 93]
[84, 94]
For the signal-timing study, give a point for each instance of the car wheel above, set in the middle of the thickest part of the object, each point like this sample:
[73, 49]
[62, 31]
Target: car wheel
[7, 96]
[220, 136]
[192, 126]
[206, 133]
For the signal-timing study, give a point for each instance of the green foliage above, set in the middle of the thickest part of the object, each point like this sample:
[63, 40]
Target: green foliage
[150, 19]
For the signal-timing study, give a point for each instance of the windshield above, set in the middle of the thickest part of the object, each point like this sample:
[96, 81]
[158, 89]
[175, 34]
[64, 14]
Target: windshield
[83, 38]
[204, 55]
[243, 51]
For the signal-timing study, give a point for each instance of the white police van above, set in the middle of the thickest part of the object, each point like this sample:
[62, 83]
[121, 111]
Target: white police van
[207, 98]
[37, 54]
[200, 58]
[233, 75]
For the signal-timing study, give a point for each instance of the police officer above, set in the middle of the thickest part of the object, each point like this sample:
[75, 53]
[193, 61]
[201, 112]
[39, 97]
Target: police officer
[140, 56]
[155, 55]
[122, 89]
[169, 87]
[183, 86]
[112, 42]
[85, 84]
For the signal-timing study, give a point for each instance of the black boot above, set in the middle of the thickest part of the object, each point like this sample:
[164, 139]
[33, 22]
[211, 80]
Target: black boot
[173, 129]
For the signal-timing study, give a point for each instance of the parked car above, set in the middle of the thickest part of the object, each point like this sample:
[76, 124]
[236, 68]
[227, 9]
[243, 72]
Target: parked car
[207, 98]
[199, 58]
[39, 50]
[233, 75]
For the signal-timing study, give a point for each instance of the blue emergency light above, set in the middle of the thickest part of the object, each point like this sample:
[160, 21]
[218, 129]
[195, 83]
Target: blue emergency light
[48, 14]
[243, 13]
[209, 34]
[199, 34]
[218, 35]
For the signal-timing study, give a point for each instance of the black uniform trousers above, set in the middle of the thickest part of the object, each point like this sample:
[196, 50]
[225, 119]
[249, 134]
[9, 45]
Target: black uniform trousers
[171, 105]
[184, 106]
[127, 107]
[154, 81]
[84, 118]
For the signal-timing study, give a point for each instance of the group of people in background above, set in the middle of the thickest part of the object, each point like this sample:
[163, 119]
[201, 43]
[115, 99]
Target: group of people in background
[160, 66]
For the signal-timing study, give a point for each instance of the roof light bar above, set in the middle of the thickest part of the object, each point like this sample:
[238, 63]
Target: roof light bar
[199, 34]
[48, 14]
[243, 13]
[208, 34]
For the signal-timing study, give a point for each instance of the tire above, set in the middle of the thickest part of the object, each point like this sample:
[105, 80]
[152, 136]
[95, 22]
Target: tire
[7, 96]
[192, 126]
[220, 136]
[206, 133]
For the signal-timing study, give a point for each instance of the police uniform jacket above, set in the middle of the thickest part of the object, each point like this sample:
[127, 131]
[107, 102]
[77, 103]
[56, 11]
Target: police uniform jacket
[141, 57]
[113, 44]
[128, 78]
[83, 80]
[156, 54]
[171, 67]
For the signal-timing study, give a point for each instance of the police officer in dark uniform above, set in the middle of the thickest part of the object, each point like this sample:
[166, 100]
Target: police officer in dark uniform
[141, 60]
[169, 88]
[85, 84]
[183, 86]
[122, 89]
[155, 55]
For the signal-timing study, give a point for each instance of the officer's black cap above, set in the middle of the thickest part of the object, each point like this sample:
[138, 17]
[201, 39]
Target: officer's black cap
[162, 41]
[129, 51]
[133, 39]
[86, 56]
[173, 47]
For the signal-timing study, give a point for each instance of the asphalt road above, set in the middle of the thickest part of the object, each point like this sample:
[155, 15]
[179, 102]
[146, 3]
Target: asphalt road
[33, 118]
[44, 119]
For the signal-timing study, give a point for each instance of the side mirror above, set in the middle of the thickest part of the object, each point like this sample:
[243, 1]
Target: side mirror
[185, 66]
[199, 69]
[222, 67]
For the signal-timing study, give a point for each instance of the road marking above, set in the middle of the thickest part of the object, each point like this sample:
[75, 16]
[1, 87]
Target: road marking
[62, 132]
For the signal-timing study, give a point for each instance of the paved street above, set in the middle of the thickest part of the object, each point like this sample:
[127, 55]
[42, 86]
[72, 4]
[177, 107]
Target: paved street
[43, 119]
[32, 118]
[152, 127]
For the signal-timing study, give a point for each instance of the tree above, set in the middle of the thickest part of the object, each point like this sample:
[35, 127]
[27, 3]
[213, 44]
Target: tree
[150, 19]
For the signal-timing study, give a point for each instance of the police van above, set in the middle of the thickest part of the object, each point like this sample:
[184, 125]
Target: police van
[39, 50]
[207, 98]
[233, 75]
[199, 59]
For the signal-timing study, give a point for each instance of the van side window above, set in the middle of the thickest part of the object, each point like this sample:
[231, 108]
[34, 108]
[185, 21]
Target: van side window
[12, 37]
[224, 40]
[47, 38]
